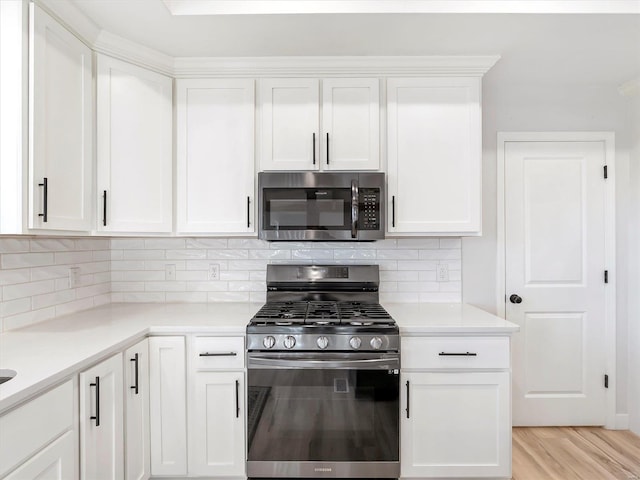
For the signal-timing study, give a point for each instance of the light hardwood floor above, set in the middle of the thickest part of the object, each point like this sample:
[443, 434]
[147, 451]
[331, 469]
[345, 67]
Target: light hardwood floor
[575, 453]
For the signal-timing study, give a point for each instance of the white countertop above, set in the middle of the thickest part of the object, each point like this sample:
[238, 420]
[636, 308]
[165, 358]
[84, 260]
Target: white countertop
[47, 353]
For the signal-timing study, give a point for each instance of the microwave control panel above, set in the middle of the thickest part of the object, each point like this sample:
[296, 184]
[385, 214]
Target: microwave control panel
[369, 215]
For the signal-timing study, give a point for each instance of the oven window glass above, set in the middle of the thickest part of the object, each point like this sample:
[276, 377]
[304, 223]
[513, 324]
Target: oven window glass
[307, 209]
[323, 415]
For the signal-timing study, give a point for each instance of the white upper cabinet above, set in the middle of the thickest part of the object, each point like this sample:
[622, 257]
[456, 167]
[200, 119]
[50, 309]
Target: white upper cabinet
[350, 124]
[434, 156]
[134, 146]
[60, 154]
[293, 137]
[215, 156]
[290, 124]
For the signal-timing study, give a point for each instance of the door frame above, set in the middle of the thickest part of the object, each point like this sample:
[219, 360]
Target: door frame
[609, 241]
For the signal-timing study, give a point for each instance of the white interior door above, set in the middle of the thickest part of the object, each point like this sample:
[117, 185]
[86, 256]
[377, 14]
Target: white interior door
[555, 262]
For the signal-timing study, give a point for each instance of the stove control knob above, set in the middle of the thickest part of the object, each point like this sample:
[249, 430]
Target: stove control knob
[289, 341]
[269, 342]
[355, 342]
[376, 343]
[322, 342]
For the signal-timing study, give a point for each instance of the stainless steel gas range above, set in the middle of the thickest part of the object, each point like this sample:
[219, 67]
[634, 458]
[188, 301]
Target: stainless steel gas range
[323, 376]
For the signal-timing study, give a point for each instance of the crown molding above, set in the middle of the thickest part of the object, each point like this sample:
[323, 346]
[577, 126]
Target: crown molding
[108, 43]
[630, 88]
[473, 66]
[72, 18]
[132, 52]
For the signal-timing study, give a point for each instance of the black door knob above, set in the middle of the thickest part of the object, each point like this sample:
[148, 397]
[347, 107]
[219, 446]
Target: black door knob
[515, 298]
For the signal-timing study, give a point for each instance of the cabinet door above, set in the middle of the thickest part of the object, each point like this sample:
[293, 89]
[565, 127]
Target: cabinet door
[216, 166]
[289, 128]
[136, 396]
[457, 425]
[350, 124]
[60, 161]
[434, 155]
[55, 462]
[134, 111]
[101, 415]
[168, 409]
[216, 424]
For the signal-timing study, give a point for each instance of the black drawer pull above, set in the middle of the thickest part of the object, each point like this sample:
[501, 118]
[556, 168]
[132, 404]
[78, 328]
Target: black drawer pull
[104, 208]
[407, 409]
[465, 354]
[219, 354]
[97, 415]
[45, 198]
[237, 399]
[314, 148]
[135, 387]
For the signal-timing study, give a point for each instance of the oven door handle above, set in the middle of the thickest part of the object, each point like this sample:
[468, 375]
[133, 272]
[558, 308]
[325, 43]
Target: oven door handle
[354, 208]
[392, 363]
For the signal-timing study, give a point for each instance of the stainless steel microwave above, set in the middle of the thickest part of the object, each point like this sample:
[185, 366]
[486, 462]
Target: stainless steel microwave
[321, 206]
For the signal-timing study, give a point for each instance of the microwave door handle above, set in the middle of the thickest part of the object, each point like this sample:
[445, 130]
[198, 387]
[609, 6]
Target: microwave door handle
[354, 209]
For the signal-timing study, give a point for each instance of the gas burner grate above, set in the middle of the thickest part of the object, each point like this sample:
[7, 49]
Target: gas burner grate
[322, 313]
[285, 313]
[363, 314]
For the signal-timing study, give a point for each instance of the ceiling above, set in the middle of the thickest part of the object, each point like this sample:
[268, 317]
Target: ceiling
[565, 48]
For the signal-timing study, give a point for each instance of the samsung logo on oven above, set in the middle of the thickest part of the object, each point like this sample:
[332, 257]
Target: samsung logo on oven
[322, 469]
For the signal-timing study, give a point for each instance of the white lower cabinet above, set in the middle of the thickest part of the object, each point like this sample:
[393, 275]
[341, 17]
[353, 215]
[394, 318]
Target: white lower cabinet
[456, 409]
[216, 406]
[39, 439]
[216, 424]
[55, 462]
[101, 413]
[167, 405]
[136, 424]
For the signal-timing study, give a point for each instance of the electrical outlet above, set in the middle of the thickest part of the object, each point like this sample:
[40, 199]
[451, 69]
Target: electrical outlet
[169, 271]
[74, 277]
[214, 271]
[442, 272]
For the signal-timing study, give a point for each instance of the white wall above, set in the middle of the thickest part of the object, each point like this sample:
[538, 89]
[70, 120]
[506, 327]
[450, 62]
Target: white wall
[550, 107]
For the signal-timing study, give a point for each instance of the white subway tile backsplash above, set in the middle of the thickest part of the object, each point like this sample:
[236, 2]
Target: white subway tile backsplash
[35, 283]
[23, 260]
[34, 272]
[206, 243]
[13, 245]
[53, 245]
[29, 289]
[345, 254]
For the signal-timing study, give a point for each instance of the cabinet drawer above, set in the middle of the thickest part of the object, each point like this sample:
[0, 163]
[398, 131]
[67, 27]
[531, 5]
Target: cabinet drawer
[218, 352]
[28, 428]
[455, 352]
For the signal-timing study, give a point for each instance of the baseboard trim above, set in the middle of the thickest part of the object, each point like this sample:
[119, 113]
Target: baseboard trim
[621, 422]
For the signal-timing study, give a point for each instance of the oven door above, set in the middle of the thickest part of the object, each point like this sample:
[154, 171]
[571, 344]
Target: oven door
[323, 415]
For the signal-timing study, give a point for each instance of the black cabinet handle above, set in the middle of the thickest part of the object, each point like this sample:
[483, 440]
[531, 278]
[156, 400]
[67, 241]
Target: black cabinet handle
[314, 148]
[237, 399]
[515, 298]
[104, 208]
[465, 354]
[45, 194]
[248, 212]
[393, 211]
[327, 148]
[135, 386]
[219, 354]
[407, 399]
[97, 415]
